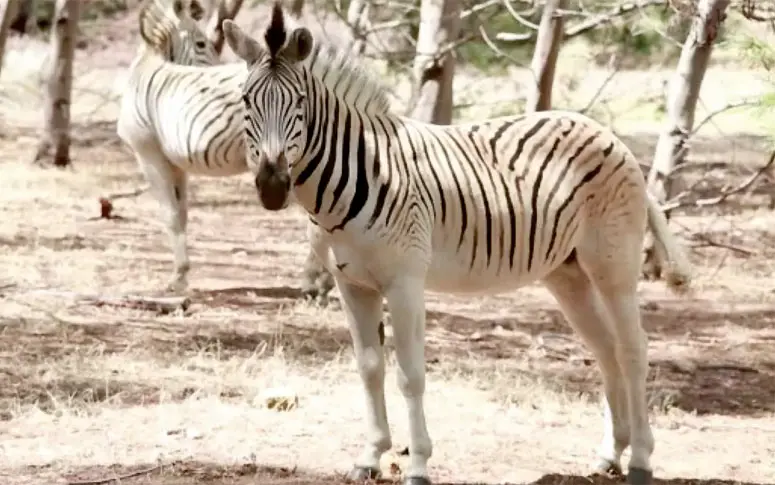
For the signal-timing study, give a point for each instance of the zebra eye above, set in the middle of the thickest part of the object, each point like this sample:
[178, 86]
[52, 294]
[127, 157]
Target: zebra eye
[300, 100]
[200, 44]
[245, 99]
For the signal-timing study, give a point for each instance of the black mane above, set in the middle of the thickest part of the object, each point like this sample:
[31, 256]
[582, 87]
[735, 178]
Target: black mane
[275, 35]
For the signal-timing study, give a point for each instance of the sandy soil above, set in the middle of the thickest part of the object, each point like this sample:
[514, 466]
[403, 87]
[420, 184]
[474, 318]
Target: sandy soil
[93, 392]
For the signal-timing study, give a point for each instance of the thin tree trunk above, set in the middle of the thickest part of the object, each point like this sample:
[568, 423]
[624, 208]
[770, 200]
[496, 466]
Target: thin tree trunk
[8, 9]
[55, 140]
[547, 49]
[297, 8]
[683, 94]
[357, 18]
[227, 9]
[434, 62]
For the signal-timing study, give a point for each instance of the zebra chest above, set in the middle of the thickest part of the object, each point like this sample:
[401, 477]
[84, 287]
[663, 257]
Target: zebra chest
[360, 263]
[354, 267]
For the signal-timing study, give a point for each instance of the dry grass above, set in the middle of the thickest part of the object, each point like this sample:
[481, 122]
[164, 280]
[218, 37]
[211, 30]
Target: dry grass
[89, 391]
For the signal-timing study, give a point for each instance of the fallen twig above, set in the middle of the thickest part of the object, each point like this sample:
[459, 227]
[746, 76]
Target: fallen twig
[162, 305]
[708, 242]
[678, 201]
[106, 203]
[117, 478]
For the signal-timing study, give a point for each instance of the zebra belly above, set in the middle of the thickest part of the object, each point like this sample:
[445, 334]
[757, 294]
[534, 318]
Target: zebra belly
[350, 265]
[451, 274]
[451, 271]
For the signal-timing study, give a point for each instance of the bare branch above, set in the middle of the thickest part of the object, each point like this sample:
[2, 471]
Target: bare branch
[227, 9]
[117, 478]
[724, 194]
[580, 27]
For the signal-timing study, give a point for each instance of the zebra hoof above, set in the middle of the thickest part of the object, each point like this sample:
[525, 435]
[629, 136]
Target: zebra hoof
[640, 476]
[176, 287]
[608, 468]
[417, 481]
[362, 473]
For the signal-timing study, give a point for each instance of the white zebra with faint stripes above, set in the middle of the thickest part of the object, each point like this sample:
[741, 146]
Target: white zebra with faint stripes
[400, 206]
[181, 114]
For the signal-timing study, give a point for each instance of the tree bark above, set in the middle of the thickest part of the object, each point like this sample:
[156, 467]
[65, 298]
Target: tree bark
[357, 18]
[297, 8]
[683, 94]
[547, 49]
[434, 62]
[227, 9]
[55, 140]
[8, 9]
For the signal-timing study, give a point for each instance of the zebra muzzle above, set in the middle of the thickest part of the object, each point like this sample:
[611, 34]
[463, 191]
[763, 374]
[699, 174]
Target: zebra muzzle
[273, 188]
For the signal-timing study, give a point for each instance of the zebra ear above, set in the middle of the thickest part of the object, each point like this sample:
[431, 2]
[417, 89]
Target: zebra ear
[155, 25]
[247, 48]
[299, 45]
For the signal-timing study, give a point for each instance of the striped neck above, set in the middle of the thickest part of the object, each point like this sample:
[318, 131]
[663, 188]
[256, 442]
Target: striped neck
[328, 181]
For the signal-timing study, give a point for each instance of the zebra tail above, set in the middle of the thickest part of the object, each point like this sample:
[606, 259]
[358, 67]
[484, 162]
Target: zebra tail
[677, 268]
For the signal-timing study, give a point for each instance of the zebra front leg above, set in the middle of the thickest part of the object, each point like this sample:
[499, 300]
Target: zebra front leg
[169, 185]
[317, 280]
[363, 309]
[406, 301]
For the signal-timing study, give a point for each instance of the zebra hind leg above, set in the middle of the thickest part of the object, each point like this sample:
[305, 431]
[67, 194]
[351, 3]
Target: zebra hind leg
[614, 269]
[169, 185]
[580, 303]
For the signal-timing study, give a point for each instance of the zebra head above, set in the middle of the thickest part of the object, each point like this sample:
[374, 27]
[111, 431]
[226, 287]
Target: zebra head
[174, 34]
[275, 96]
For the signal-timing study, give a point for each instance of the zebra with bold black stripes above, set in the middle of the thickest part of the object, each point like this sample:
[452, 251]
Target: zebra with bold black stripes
[181, 113]
[400, 206]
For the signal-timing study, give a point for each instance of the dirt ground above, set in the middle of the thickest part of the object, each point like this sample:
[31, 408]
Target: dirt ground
[97, 393]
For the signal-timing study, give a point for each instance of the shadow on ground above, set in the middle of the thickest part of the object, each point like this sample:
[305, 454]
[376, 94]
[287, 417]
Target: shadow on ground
[536, 338]
[188, 472]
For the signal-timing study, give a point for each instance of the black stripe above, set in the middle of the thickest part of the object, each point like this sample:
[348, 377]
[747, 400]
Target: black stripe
[315, 132]
[584, 181]
[485, 200]
[385, 186]
[534, 203]
[328, 169]
[204, 111]
[487, 212]
[461, 197]
[344, 141]
[527, 136]
[361, 194]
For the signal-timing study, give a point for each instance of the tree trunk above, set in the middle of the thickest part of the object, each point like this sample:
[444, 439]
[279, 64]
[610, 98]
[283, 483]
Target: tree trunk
[297, 8]
[434, 62]
[547, 48]
[8, 9]
[55, 140]
[227, 9]
[357, 18]
[683, 93]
